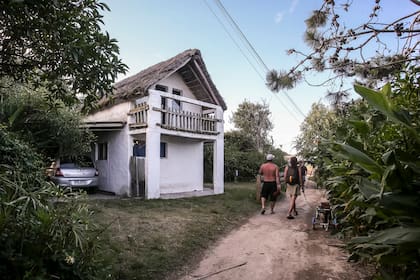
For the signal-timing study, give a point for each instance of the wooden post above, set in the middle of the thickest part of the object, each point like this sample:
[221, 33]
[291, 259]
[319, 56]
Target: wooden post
[258, 189]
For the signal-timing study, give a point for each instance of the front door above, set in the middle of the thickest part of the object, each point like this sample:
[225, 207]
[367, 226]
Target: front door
[102, 164]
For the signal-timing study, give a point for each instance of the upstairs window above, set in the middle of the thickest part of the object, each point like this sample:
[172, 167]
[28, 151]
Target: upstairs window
[163, 101]
[176, 104]
[161, 88]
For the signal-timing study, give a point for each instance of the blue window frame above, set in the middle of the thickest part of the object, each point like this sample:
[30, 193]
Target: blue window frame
[140, 150]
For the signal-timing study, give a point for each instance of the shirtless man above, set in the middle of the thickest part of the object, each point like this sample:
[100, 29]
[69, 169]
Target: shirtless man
[270, 173]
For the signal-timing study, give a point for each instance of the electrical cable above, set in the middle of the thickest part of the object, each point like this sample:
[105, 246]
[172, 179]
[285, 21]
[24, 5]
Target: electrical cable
[231, 37]
[252, 49]
[249, 61]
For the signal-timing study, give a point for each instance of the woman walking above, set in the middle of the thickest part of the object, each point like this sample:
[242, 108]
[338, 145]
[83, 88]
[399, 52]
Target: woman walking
[293, 179]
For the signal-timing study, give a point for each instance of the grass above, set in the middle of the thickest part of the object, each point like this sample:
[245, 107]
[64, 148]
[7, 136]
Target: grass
[161, 239]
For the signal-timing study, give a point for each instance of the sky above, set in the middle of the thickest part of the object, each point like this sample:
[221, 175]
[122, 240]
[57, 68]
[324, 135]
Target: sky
[150, 31]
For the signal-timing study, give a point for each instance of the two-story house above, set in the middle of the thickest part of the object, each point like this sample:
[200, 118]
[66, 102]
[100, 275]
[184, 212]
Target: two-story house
[151, 132]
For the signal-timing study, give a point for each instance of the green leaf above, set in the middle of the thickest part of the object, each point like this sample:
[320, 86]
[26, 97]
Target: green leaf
[358, 157]
[396, 236]
[361, 126]
[401, 204]
[369, 188]
[380, 100]
[15, 115]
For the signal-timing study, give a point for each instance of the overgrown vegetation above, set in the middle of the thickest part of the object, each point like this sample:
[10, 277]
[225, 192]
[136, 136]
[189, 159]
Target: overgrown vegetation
[51, 128]
[51, 53]
[367, 150]
[371, 161]
[45, 232]
[152, 239]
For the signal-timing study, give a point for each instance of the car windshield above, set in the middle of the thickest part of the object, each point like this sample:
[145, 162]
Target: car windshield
[76, 162]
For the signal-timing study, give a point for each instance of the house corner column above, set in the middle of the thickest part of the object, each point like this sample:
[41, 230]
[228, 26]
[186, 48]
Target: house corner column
[218, 155]
[152, 166]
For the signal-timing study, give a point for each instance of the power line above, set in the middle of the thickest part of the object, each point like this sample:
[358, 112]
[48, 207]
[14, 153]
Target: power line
[252, 49]
[242, 35]
[231, 37]
[246, 57]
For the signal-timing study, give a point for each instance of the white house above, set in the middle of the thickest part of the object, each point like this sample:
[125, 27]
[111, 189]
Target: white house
[172, 110]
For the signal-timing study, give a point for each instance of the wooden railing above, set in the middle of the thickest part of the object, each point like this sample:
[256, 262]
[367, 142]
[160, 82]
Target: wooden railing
[175, 120]
[188, 121]
[140, 113]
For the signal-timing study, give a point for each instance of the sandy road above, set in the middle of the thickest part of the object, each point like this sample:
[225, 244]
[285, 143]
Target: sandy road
[272, 247]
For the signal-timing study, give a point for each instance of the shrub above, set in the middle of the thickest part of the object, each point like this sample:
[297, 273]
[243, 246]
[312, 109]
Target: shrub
[45, 232]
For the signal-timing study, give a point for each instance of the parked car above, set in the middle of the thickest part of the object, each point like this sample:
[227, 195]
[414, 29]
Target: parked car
[74, 172]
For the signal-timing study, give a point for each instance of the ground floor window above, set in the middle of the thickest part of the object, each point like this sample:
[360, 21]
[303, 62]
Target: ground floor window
[139, 149]
[162, 149]
[102, 151]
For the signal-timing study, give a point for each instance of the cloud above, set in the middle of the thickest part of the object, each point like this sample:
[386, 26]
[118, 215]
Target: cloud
[293, 6]
[279, 17]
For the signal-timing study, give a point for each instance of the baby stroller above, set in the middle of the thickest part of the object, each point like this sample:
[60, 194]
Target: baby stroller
[324, 216]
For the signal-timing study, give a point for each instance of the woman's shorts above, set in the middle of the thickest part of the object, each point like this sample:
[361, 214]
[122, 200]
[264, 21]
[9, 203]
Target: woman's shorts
[293, 190]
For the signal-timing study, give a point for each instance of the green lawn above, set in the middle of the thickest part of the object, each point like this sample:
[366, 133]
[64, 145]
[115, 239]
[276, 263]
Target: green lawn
[158, 239]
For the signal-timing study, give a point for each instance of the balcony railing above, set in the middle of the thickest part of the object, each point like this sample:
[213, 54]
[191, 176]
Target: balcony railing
[188, 121]
[139, 113]
[196, 117]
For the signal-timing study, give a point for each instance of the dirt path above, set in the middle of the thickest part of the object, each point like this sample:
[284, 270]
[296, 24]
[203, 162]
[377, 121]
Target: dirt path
[273, 247]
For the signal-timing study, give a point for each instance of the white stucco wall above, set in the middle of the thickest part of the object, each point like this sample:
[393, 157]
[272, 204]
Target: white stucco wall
[114, 173]
[182, 169]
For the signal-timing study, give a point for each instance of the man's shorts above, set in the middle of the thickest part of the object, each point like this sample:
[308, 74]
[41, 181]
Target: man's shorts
[268, 189]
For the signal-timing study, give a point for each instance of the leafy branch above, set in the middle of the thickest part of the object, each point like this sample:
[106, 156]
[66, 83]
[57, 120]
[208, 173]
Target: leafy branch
[345, 50]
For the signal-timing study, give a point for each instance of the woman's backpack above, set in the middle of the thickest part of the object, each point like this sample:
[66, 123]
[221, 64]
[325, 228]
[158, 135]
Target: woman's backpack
[292, 176]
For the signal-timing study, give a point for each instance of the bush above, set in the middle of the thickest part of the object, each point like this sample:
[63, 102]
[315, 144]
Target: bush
[45, 232]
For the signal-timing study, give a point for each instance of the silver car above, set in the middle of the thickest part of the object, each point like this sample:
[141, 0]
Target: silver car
[74, 173]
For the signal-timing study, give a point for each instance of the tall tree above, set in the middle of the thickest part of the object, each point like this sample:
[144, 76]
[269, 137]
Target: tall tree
[253, 119]
[318, 125]
[345, 50]
[60, 45]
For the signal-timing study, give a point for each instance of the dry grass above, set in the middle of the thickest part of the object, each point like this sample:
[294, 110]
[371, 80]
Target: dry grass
[158, 239]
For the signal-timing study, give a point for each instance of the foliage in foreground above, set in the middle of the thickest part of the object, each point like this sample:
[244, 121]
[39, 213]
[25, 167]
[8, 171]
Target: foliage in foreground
[45, 232]
[373, 173]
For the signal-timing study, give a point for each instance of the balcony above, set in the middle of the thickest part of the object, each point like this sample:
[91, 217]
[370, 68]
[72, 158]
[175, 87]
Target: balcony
[198, 117]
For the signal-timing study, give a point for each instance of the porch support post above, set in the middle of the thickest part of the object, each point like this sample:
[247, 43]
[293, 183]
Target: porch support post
[218, 155]
[152, 172]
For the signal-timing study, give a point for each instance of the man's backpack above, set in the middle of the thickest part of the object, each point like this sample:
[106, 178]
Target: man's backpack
[292, 176]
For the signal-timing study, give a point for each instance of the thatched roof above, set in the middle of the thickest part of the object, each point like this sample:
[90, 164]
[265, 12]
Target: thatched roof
[189, 64]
